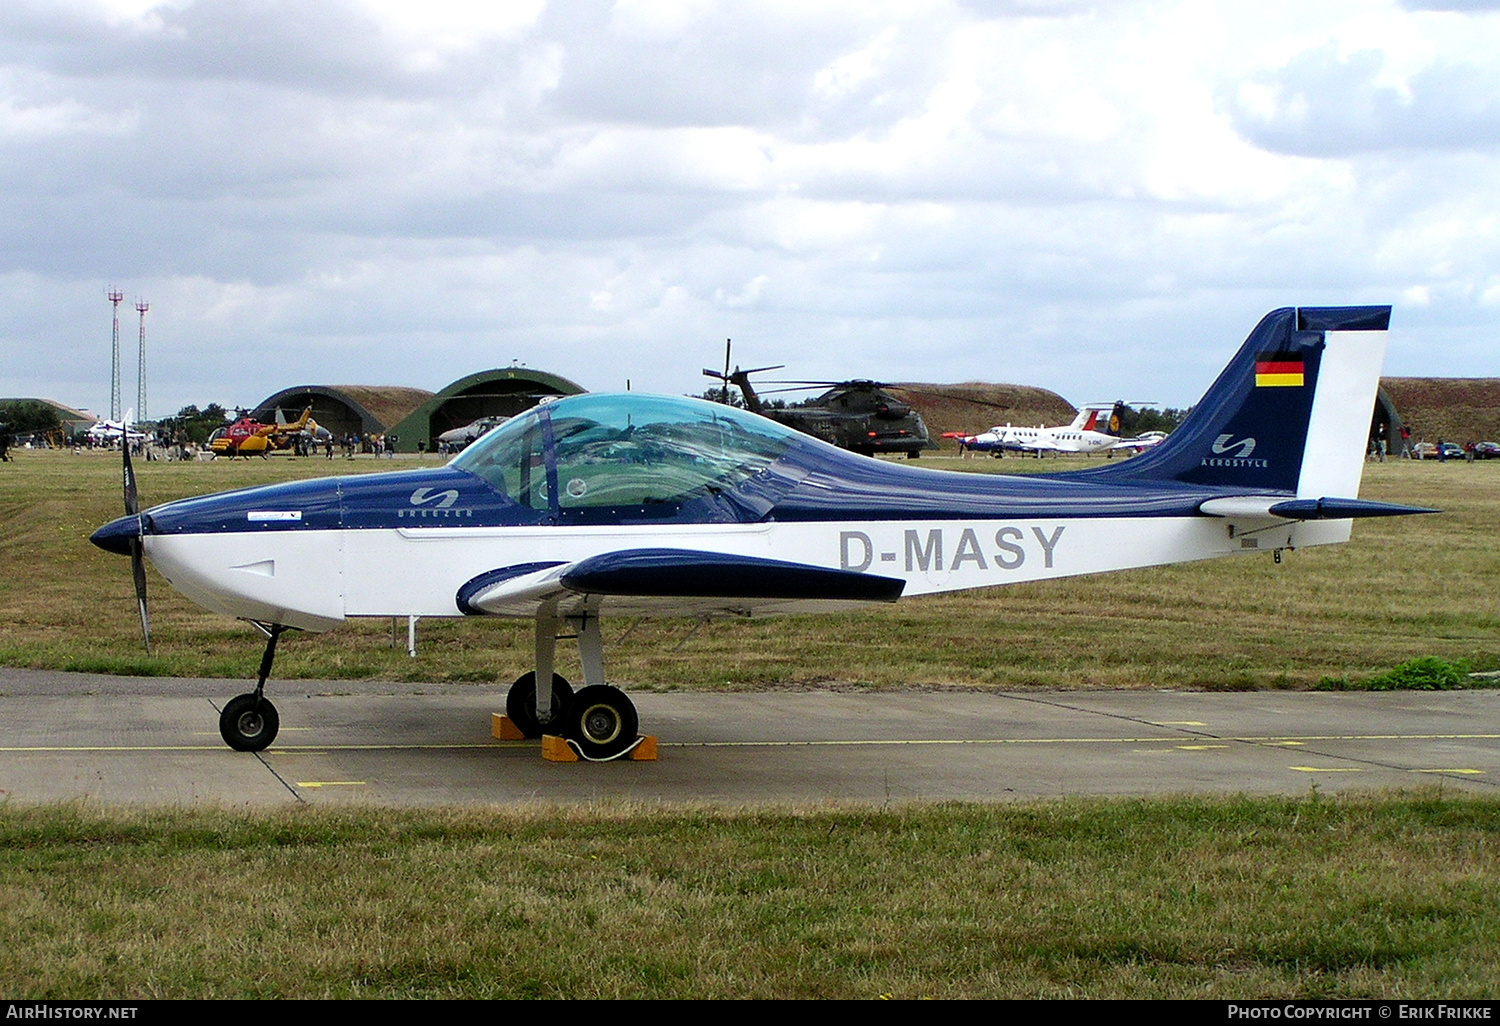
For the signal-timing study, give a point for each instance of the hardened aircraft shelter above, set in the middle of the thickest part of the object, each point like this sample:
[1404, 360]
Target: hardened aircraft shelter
[504, 392]
[413, 415]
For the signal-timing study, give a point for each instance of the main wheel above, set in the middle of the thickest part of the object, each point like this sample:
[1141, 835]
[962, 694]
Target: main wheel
[602, 721]
[520, 704]
[249, 724]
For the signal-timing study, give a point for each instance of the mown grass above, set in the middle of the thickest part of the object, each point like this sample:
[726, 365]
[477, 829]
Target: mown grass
[1403, 588]
[1187, 897]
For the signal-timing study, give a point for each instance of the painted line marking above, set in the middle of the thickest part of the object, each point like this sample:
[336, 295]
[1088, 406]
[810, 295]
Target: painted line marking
[1179, 723]
[1198, 748]
[331, 783]
[1467, 772]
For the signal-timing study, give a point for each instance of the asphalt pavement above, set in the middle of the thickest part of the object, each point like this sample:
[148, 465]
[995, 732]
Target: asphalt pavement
[72, 736]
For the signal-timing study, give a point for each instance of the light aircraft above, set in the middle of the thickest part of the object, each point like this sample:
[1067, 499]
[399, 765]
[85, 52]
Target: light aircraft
[1095, 429]
[602, 505]
[108, 432]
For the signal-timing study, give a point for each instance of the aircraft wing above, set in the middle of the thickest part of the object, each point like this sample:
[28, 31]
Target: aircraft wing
[1034, 445]
[1145, 441]
[672, 582]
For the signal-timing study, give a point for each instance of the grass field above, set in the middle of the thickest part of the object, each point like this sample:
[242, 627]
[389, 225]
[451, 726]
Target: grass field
[1243, 898]
[1407, 587]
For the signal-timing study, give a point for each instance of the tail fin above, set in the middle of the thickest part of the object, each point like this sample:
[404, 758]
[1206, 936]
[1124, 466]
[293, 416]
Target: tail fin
[1105, 420]
[1291, 413]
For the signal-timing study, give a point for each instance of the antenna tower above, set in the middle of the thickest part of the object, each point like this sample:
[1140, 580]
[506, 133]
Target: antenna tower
[141, 307]
[115, 297]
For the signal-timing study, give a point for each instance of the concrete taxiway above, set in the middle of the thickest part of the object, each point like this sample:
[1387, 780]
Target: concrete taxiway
[66, 736]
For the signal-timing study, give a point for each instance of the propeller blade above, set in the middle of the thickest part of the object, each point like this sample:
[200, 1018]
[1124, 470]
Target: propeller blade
[137, 544]
[138, 569]
[132, 497]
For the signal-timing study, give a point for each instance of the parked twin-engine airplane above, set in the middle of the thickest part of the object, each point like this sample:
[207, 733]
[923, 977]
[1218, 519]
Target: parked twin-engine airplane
[1095, 429]
[601, 505]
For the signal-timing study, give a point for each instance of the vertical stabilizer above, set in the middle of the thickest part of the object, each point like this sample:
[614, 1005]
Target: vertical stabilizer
[1290, 413]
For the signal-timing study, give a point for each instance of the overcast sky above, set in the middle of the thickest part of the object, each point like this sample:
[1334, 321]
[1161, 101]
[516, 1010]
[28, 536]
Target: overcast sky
[1100, 198]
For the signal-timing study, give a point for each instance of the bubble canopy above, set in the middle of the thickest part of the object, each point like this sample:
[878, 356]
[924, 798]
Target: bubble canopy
[626, 450]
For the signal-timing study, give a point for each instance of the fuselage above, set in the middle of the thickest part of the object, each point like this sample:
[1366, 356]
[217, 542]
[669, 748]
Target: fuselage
[600, 474]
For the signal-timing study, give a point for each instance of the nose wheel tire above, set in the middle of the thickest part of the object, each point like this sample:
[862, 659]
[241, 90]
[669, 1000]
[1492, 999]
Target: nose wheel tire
[248, 723]
[602, 721]
[520, 704]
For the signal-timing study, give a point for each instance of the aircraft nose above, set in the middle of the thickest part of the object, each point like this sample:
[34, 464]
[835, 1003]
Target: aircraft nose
[116, 535]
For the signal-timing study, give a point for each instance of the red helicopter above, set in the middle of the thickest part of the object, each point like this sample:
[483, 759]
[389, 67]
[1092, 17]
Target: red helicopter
[249, 437]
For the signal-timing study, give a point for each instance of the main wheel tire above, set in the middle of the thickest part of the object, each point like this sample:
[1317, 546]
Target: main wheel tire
[249, 724]
[520, 704]
[602, 721]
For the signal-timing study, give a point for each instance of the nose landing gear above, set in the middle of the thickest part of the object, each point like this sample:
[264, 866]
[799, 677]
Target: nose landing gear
[249, 722]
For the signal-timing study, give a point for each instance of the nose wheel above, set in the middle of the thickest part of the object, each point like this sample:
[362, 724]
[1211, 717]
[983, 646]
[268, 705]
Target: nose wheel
[249, 723]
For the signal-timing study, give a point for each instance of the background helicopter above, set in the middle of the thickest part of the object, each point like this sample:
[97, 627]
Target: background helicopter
[249, 437]
[858, 415]
[869, 417]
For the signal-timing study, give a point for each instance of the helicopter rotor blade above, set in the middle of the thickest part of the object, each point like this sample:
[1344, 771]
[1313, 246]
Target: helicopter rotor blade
[726, 370]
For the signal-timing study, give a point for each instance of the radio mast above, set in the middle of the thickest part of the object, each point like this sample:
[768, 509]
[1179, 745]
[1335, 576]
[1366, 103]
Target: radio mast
[141, 307]
[115, 297]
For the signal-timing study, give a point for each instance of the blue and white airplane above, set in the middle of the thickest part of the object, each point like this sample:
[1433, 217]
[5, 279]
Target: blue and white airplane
[602, 505]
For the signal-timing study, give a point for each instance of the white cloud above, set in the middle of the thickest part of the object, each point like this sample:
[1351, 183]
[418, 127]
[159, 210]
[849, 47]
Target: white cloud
[369, 189]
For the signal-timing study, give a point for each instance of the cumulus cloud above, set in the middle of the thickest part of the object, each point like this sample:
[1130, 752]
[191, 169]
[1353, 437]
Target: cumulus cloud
[1451, 5]
[1092, 197]
[1325, 104]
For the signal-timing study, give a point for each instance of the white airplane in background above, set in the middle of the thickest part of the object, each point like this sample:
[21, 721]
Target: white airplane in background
[105, 432]
[1095, 429]
[605, 505]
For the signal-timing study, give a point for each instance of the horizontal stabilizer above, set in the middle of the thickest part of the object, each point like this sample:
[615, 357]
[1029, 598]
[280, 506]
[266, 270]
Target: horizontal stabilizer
[1270, 507]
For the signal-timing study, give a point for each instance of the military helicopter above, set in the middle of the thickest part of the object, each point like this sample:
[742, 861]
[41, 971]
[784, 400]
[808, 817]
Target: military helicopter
[858, 415]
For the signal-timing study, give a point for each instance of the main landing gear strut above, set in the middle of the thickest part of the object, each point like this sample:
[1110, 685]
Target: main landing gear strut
[599, 721]
[249, 722]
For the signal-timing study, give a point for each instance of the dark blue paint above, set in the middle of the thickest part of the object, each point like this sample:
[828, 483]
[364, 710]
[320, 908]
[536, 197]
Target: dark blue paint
[676, 573]
[1343, 509]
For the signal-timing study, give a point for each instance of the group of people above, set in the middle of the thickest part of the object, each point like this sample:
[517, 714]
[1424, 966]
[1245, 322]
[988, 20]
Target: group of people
[1379, 446]
[376, 445]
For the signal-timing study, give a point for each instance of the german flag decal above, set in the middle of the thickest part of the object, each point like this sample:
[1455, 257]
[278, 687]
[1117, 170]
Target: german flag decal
[1279, 370]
